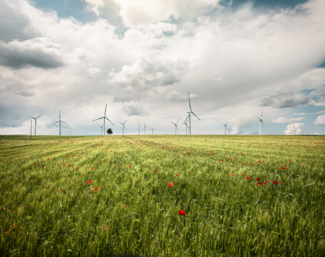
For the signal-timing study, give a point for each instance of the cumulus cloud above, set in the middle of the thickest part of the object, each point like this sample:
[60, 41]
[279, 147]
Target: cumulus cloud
[134, 110]
[95, 6]
[142, 12]
[284, 99]
[147, 73]
[320, 120]
[288, 120]
[177, 96]
[37, 52]
[294, 129]
[94, 72]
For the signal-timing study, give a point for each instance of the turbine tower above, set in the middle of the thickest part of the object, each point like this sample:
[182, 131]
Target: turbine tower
[176, 128]
[189, 115]
[225, 128]
[35, 121]
[261, 123]
[60, 122]
[229, 131]
[123, 128]
[144, 127]
[104, 119]
[152, 130]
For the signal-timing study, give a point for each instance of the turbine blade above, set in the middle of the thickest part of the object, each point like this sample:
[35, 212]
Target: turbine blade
[54, 123]
[109, 121]
[39, 116]
[32, 117]
[99, 118]
[125, 121]
[178, 120]
[105, 110]
[189, 101]
[64, 123]
[195, 115]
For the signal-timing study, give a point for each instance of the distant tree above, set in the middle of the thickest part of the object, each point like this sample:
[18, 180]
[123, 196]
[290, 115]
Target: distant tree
[109, 131]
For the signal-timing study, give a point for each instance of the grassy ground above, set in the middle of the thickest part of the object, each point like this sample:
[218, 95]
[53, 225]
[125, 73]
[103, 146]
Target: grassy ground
[103, 196]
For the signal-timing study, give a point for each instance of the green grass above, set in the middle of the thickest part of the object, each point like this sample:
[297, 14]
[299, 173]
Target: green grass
[226, 215]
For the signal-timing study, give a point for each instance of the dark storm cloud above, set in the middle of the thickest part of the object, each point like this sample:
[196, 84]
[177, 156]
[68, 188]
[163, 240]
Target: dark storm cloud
[37, 52]
[14, 24]
[134, 110]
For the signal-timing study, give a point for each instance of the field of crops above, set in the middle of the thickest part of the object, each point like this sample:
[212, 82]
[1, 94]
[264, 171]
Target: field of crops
[162, 196]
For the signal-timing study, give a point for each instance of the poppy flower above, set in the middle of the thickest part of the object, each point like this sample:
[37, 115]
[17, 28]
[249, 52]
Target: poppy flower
[118, 166]
[77, 168]
[24, 206]
[26, 168]
[96, 189]
[170, 184]
[281, 183]
[243, 174]
[263, 162]
[90, 191]
[289, 160]
[251, 163]
[275, 182]
[247, 178]
[177, 175]
[303, 165]
[7, 231]
[106, 228]
[181, 213]
[155, 170]
[15, 226]
[59, 191]
[34, 162]
[283, 168]
[260, 183]
[92, 168]
[257, 179]
[123, 206]
[69, 165]
[0, 208]
[129, 166]
[233, 174]
[243, 164]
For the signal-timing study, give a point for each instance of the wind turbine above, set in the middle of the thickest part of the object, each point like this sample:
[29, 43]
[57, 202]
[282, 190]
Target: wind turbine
[225, 128]
[152, 130]
[186, 127]
[229, 131]
[144, 127]
[35, 121]
[294, 129]
[176, 128]
[101, 128]
[104, 119]
[261, 123]
[123, 128]
[189, 114]
[60, 121]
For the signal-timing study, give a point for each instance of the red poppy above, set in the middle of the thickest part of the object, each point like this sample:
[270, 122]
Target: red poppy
[34, 162]
[251, 163]
[303, 165]
[266, 181]
[233, 174]
[26, 168]
[69, 165]
[155, 170]
[59, 191]
[123, 206]
[96, 189]
[176, 175]
[243, 174]
[243, 164]
[283, 168]
[77, 168]
[257, 179]
[7, 231]
[129, 166]
[170, 184]
[289, 160]
[118, 166]
[260, 183]
[275, 182]
[92, 168]
[90, 191]
[281, 183]
[247, 178]
[181, 213]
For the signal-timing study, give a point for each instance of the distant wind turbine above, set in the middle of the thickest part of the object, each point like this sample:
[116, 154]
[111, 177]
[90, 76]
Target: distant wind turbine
[229, 131]
[225, 128]
[60, 121]
[152, 130]
[189, 115]
[261, 123]
[35, 122]
[101, 129]
[144, 127]
[294, 129]
[104, 119]
[176, 128]
[123, 128]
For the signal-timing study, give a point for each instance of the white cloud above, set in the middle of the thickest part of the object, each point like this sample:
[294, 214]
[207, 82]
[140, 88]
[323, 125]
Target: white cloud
[94, 72]
[288, 120]
[320, 120]
[135, 110]
[95, 6]
[294, 129]
[316, 133]
[177, 96]
[303, 113]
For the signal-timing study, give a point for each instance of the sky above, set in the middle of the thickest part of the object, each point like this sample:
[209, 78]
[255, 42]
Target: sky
[235, 58]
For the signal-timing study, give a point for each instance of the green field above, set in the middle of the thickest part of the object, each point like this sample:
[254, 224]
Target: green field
[48, 207]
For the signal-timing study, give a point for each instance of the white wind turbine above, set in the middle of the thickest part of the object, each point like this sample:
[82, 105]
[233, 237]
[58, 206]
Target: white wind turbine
[123, 128]
[186, 127]
[60, 121]
[261, 123]
[35, 121]
[225, 128]
[294, 129]
[189, 115]
[101, 129]
[176, 128]
[104, 119]
[144, 127]
[152, 130]
[229, 131]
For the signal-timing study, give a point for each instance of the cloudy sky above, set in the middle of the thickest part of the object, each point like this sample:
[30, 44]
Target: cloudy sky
[236, 58]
